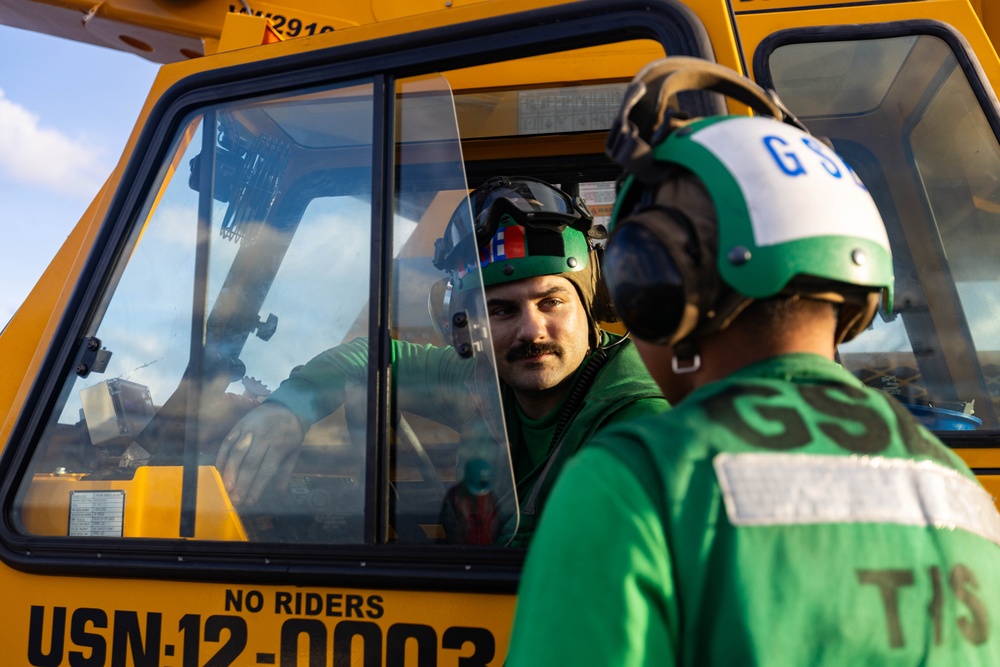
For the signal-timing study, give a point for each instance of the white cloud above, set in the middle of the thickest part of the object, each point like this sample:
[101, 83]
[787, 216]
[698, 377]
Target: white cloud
[36, 155]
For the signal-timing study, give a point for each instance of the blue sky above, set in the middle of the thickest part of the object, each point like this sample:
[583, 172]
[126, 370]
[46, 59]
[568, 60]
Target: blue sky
[66, 111]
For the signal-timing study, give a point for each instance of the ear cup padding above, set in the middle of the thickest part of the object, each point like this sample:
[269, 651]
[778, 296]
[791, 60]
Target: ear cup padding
[669, 246]
[644, 282]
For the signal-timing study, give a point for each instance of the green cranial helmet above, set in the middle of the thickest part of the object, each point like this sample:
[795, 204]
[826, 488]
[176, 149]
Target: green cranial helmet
[763, 205]
[515, 252]
[522, 228]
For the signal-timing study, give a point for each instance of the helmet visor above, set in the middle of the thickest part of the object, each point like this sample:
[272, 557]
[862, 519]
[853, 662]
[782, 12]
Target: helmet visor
[530, 202]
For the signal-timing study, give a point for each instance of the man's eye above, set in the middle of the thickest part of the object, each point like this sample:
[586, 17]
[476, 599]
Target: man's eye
[501, 312]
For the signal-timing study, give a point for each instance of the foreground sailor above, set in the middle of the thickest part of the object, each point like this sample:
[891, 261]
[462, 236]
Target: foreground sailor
[562, 377]
[782, 513]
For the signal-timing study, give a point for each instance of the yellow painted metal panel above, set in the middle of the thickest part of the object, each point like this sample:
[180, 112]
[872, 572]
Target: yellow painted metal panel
[715, 16]
[754, 28]
[745, 6]
[242, 31]
[152, 504]
[980, 457]
[167, 623]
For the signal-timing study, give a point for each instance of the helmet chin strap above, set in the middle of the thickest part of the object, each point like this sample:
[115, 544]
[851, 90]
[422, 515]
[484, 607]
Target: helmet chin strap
[686, 358]
[684, 366]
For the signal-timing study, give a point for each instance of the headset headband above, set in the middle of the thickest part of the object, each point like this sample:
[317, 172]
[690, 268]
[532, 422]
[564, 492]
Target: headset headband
[631, 140]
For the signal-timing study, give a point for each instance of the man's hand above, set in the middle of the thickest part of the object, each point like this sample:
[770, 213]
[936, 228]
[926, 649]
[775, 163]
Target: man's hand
[264, 445]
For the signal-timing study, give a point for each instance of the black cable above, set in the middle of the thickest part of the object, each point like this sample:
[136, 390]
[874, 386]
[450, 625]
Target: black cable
[581, 387]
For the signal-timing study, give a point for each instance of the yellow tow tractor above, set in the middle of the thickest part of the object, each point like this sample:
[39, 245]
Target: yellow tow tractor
[282, 193]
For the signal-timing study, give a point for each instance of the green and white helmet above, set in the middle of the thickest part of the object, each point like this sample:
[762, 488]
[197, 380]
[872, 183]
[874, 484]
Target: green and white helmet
[761, 204]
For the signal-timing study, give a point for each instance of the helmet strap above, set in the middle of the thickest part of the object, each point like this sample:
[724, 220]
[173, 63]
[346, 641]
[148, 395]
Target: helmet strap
[856, 306]
[854, 316]
[722, 314]
[686, 358]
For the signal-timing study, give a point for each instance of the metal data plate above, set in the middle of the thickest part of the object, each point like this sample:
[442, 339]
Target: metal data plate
[96, 513]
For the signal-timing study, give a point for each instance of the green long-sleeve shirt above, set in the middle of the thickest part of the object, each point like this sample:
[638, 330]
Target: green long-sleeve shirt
[434, 382]
[786, 515]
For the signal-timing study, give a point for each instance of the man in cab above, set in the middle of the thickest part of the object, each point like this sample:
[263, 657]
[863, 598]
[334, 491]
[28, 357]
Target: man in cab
[562, 377]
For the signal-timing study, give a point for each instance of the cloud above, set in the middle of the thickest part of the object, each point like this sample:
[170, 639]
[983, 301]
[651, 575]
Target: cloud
[40, 156]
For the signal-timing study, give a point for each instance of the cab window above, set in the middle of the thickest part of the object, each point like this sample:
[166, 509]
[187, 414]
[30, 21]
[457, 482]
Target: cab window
[253, 262]
[287, 240]
[937, 188]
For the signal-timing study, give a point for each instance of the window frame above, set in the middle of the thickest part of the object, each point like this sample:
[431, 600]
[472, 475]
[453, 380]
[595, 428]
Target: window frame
[386, 60]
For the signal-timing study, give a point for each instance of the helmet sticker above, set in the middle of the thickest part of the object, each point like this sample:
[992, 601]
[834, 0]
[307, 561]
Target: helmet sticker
[507, 243]
[783, 172]
[521, 227]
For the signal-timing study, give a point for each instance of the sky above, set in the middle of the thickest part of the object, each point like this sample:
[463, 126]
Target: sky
[66, 112]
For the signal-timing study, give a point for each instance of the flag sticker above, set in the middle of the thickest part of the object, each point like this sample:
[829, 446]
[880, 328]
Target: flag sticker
[507, 243]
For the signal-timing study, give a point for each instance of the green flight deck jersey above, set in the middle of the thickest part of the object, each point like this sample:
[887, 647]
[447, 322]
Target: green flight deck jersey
[786, 515]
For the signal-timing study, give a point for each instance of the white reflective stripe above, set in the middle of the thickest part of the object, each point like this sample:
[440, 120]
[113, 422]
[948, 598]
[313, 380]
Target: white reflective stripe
[794, 489]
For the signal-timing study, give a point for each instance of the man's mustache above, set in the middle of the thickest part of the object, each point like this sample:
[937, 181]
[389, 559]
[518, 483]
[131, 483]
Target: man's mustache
[528, 350]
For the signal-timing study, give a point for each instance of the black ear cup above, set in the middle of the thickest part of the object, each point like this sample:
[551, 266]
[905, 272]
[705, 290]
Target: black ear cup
[644, 283]
[660, 262]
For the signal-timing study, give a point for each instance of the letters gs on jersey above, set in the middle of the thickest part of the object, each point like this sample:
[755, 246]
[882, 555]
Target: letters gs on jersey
[302, 628]
[769, 416]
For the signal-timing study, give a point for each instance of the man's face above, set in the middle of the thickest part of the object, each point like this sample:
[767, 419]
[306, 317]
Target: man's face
[540, 333]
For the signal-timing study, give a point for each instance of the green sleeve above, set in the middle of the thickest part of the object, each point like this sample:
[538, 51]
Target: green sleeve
[434, 382]
[316, 389]
[597, 586]
[429, 381]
